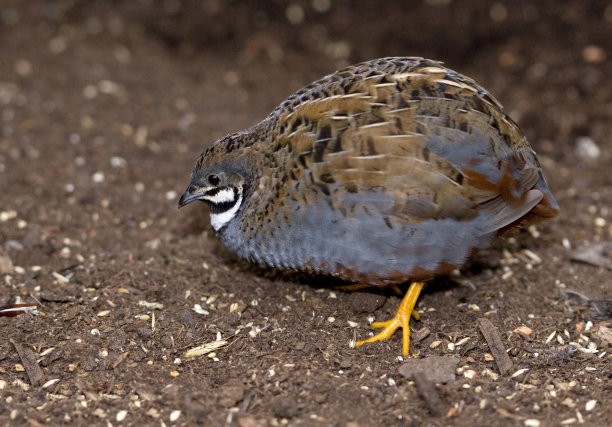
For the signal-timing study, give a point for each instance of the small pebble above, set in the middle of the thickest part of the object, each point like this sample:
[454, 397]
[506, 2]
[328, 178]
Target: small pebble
[122, 54]
[532, 422]
[154, 413]
[231, 78]
[121, 415]
[321, 6]
[498, 12]
[533, 230]
[590, 405]
[593, 54]
[90, 92]
[566, 243]
[58, 44]
[118, 162]
[7, 215]
[65, 252]
[295, 14]
[61, 279]
[109, 87]
[98, 177]
[23, 67]
[174, 415]
[469, 374]
[474, 307]
[587, 149]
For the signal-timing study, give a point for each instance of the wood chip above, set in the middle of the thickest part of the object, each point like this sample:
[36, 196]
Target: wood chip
[598, 254]
[50, 383]
[151, 305]
[120, 359]
[523, 330]
[491, 335]
[519, 373]
[28, 359]
[427, 390]
[205, 348]
[421, 334]
[16, 309]
[604, 334]
[6, 264]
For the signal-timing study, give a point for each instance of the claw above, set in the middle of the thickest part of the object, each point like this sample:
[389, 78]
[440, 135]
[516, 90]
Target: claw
[400, 320]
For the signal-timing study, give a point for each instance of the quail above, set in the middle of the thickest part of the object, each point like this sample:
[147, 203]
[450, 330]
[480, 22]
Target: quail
[390, 171]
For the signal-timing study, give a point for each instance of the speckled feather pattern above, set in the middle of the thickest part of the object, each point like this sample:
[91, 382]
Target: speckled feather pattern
[391, 170]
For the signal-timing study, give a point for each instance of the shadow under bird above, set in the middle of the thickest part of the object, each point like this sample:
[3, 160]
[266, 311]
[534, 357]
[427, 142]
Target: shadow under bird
[389, 171]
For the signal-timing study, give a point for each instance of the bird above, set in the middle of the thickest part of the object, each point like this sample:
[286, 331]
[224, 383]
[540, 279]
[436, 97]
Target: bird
[391, 171]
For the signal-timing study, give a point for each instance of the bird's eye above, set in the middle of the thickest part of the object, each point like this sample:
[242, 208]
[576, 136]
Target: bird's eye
[214, 179]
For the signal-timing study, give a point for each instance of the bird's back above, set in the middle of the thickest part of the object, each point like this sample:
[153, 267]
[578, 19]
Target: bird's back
[391, 169]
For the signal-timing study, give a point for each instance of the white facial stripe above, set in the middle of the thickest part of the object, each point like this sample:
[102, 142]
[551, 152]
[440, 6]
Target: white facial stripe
[225, 195]
[219, 220]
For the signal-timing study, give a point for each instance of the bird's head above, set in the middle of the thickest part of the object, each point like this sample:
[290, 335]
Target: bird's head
[219, 180]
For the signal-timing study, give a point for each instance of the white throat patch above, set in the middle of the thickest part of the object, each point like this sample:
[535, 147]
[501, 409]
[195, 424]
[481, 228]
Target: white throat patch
[219, 220]
[225, 195]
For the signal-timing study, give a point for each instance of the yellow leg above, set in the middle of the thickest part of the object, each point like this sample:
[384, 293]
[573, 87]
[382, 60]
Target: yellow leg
[400, 320]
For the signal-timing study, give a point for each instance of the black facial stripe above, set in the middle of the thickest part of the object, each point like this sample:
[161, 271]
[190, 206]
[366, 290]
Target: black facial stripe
[221, 207]
[213, 192]
[218, 208]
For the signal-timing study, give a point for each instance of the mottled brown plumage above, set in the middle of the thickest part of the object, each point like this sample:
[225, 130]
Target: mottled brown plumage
[388, 171]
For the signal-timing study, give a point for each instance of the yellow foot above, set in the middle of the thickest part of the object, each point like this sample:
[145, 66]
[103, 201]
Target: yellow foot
[400, 320]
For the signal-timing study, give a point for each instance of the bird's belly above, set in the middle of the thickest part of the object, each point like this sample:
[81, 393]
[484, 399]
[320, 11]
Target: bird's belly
[364, 246]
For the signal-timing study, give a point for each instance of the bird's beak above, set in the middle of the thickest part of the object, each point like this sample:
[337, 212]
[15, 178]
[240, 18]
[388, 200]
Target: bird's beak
[189, 196]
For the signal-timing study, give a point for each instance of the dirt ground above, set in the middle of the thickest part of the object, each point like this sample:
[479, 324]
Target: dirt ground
[105, 107]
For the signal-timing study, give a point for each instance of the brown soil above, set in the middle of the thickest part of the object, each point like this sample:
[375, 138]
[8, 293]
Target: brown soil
[105, 106]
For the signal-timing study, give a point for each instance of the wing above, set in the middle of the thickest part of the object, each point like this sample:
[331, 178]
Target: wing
[432, 141]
